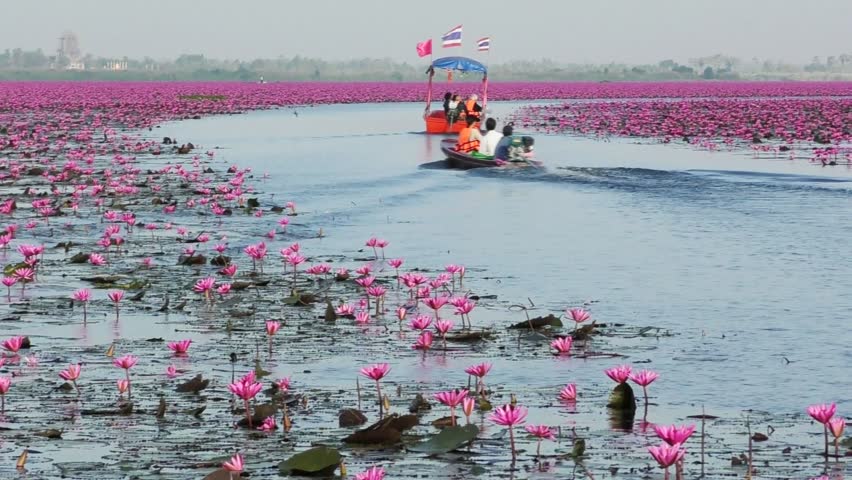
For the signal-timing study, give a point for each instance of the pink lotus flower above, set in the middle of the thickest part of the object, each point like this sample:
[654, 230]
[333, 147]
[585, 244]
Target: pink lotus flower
[644, 378]
[401, 313]
[72, 373]
[377, 372]
[443, 326]
[562, 345]
[180, 347]
[272, 327]
[126, 362]
[115, 296]
[541, 432]
[375, 473]
[468, 404]
[223, 289]
[246, 389]
[619, 374]
[667, 455]
[13, 344]
[822, 413]
[171, 371]
[362, 318]
[578, 315]
[5, 384]
[97, 259]
[8, 282]
[452, 399]
[395, 263]
[122, 385]
[83, 295]
[836, 426]
[568, 393]
[421, 322]
[235, 464]
[509, 415]
[435, 303]
[345, 310]
[229, 271]
[283, 384]
[674, 434]
[424, 341]
[205, 287]
[268, 425]
[479, 371]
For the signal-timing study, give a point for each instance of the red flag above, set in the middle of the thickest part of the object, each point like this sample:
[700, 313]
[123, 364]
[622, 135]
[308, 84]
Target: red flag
[424, 48]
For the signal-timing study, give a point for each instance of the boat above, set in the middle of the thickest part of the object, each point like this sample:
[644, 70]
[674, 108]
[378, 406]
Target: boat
[436, 121]
[465, 161]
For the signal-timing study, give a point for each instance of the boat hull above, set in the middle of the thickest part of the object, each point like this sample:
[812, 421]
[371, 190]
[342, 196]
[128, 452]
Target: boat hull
[436, 123]
[461, 160]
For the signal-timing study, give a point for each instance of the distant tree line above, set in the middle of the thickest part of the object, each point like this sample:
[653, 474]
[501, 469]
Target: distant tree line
[18, 64]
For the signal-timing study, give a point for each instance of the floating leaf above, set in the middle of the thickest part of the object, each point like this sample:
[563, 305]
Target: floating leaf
[318, 461]
[51, 433]
[195, 385]
[470, 336]
[448, 440]
[350, 417]
[539, 322]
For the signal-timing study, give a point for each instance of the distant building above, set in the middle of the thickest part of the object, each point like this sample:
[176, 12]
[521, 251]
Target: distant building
[116, 65]
[76, 65]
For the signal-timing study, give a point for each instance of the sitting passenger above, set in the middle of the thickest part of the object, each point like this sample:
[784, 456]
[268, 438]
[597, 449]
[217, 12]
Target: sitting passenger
[471, 108]
[501, 151]
[454, 109]
[469, 137]
[491, 139]
[521, 149]
[447, 97]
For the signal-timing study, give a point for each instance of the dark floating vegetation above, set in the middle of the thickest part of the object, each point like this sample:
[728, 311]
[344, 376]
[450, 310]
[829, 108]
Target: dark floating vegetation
[165, 318]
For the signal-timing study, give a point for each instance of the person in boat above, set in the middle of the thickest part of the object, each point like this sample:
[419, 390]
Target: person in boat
[492, 137]
[501, 151]
[521, 149]
[471, 108]
[447, 97]
[455, 109]
[469, 137]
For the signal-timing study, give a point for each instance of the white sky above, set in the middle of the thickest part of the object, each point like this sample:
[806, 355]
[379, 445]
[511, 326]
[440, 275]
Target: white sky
[596, 31]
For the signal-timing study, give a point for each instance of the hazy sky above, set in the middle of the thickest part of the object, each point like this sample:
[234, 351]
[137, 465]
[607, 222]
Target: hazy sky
[599, 31]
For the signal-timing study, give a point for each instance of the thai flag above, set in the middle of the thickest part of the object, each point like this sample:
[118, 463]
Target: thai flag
[483, 44]
[452, 38]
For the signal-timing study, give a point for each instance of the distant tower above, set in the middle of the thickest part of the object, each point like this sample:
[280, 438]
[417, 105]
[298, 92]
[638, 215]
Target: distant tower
[69, 46]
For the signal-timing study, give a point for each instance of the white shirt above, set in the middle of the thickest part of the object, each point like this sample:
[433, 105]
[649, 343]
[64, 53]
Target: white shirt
[488, 145]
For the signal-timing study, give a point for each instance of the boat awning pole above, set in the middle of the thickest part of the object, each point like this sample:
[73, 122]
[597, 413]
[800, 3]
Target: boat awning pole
[429, 94]
[484, 95]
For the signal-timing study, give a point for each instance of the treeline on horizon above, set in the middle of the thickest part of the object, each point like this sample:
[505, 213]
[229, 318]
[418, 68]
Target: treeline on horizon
[18, 64]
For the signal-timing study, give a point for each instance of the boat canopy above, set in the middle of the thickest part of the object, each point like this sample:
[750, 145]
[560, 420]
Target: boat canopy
[461, 64]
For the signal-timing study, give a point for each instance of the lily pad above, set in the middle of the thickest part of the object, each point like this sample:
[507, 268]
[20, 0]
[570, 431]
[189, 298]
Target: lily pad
[448, 440]
[539, 322]
[350, 417]
[195, 385]
[318, 461]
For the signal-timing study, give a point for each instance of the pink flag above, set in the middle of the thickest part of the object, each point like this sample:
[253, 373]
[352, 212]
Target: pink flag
[424, 48]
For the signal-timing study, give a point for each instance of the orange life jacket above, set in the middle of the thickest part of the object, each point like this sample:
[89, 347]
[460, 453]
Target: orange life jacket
[465, 144]
[468, 105]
